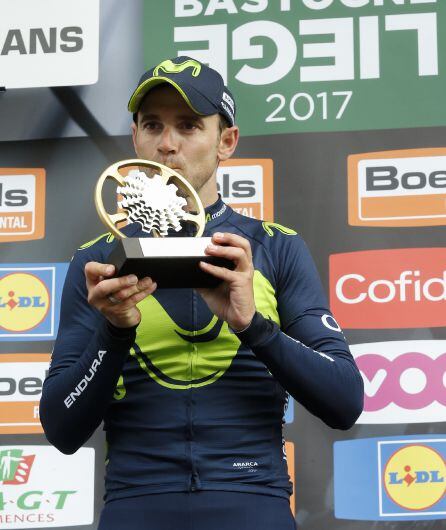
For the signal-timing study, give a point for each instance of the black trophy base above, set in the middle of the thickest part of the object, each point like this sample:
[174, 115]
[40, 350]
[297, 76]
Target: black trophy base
[171, 262]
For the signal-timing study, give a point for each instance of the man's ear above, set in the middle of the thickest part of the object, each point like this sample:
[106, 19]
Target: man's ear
[228, 142]
[134, 128]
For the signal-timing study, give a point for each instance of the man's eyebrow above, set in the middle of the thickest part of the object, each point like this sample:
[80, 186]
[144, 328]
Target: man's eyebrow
[153, 116]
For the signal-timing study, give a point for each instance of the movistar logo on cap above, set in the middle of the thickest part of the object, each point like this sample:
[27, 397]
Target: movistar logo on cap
[169, 67]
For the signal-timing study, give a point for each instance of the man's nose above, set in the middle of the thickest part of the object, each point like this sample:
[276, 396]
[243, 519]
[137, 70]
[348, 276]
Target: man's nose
[168, 141]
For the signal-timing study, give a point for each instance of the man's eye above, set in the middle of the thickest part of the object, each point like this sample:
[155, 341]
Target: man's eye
[189, 125]
[151, 125]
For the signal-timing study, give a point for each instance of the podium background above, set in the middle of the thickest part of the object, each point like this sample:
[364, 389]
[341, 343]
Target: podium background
[75, 132]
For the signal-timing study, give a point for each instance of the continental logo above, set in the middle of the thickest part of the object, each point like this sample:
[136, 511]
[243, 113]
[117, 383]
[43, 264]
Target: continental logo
[399, 478]
[403, 381]
[29, 300]
[247, 186]
[22, 204]
[399, 288]
[21, 381]
[397, 188]
[169, 67]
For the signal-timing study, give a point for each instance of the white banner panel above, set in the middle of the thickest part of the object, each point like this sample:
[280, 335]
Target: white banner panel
[49, 43]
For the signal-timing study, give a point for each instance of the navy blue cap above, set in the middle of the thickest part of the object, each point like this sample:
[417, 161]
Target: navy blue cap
[202, 87]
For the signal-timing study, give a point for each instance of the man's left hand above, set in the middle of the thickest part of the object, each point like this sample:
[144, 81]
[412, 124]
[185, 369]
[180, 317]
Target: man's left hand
[233, 299]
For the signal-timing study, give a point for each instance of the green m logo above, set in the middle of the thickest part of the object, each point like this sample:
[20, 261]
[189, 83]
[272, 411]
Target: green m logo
[268, 227]
[169, 67]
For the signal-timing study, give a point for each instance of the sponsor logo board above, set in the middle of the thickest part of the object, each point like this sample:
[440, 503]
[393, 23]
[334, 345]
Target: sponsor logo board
[247, 186]
[22, 204]
[21, 380]
[397, 188]
[42, 488]
[404, 381]
[395, 478]
[30, 300]
[49, 43]
[396, 288]
[314, 65]
[289, 451]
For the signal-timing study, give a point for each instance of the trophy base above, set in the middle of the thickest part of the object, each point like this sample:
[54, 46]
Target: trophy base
[172, 262]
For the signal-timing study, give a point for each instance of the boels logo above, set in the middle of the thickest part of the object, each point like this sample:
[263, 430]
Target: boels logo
[403, 381]
[21, 381]
[247, 186]
[399, 478]
[29, 300]
[399, 288]
[22, 204]
[397, 188]
[414, 477]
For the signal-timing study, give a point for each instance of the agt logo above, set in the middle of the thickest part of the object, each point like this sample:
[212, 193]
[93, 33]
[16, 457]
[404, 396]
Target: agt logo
[247, 186]
[404, 381]
[29, 300]
[396, 478]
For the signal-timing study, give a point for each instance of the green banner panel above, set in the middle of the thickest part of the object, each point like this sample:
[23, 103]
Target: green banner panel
[313, 65]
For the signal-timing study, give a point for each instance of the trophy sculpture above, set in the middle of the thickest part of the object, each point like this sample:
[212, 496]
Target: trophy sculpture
[160, 200]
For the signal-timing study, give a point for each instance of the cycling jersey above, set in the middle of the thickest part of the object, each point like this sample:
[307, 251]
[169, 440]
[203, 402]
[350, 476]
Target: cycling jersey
[188, 404]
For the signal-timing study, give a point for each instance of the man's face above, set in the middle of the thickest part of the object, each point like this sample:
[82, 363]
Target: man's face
[170, 133]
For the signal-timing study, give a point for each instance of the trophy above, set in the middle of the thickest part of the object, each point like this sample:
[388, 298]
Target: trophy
[161, 201]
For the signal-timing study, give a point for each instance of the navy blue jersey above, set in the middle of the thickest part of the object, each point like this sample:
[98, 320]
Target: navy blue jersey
[188, 404]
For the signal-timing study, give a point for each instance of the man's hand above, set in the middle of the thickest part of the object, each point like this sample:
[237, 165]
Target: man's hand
[233, 299]
[116, 298]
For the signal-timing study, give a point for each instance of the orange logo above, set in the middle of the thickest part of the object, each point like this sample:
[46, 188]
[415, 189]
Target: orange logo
[22, 204]
[24, 301]
[247, 186]
[397, 188]
[21, 380]
[399, 288]
[415, 477]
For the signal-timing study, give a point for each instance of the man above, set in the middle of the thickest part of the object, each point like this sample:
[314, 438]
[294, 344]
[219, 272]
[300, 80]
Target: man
[192, 386]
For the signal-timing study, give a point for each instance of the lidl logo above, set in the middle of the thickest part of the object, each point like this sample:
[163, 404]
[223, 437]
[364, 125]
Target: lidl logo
[414, 477]
[403, 381]
[29, 300]
[395, 288]
[397, 188]
[15, 467]
[247, 186]
[42, 488]
[396, 478]
[21, 381]
[22, 204]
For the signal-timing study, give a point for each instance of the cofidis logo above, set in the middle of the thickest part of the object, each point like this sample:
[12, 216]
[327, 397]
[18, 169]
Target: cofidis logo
[30, 300]
[22, 204]
[247, 186]
[404, 381]
[399, 288]
[42, 488]
[399, 479]
[21, 381]
[397, 188]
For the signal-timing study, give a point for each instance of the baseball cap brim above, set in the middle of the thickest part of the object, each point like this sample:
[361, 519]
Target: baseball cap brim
[194, 99]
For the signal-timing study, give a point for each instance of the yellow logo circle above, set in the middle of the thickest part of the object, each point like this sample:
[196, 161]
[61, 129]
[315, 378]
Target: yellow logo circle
[415, 477]
[24, 301]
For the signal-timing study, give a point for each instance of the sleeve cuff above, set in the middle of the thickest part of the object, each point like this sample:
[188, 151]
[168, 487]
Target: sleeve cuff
[260, 330]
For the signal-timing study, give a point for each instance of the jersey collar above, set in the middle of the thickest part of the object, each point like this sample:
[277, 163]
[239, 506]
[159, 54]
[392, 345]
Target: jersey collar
[217, 213]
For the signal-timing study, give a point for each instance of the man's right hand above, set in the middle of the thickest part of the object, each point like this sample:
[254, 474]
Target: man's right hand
[116, 298]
